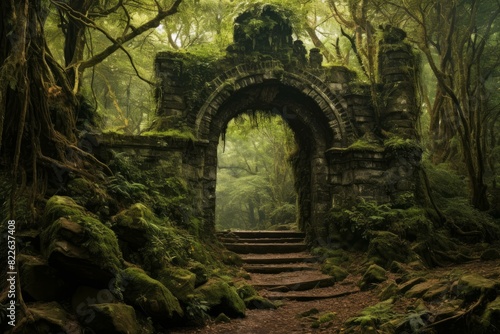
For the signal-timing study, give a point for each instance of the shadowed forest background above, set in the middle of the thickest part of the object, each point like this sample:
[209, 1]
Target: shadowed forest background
[73, 70]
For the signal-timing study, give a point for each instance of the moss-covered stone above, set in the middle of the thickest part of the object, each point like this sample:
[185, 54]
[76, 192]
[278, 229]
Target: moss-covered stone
[373, 275]
[222, 319]
[150, 296]
[259, 302]
[41, 282]
[48, 318]
[491, 316]
[418, 290]
[386, 247]
[85, 296]
[337, 272]
[113, 319]
[181, 282]
[81, 245]
[201, 272]
[245, 290]
[390, 291]
[221, 297]
[473, 286]
[309, 313]
[406, 286]
[60, 206]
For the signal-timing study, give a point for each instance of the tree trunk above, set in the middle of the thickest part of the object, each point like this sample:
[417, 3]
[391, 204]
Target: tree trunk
[37, 139]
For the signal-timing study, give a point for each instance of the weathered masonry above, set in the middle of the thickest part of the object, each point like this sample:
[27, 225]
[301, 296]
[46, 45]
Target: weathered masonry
[355, 140]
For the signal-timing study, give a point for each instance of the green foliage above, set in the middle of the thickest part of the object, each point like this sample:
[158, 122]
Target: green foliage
[363, 218]
[398, 143]
[446, 183]
[368, 216]
[373, 316]
[119, 186]
[197, 310]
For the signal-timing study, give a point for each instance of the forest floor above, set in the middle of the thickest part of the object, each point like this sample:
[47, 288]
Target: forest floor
[289, 316]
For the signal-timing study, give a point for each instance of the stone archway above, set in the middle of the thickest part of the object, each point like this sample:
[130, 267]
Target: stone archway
[313, 117]
[331, 113]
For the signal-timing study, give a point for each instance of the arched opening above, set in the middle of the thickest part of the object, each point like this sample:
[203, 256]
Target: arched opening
[255, 179]
[313, 136]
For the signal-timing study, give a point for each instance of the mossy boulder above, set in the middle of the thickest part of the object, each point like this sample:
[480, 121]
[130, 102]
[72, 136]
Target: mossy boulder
[259, 302]
[48, 318]
[133, 225]
[335, 271]
[245, 290]
[406, 286]
[84, 296]
[428, 290]
[491, 316]
[472, 287]
[373, 275]
[40, 282]
[181, 282]
[386, 247]
[222, 319]
[390, 291]
[113, 319]
[221, 298]
[150, 296]
[60, 206]
[201, 273]
[79, 244]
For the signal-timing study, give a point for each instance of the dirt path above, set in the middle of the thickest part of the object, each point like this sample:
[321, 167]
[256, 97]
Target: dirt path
[287, 319]
[344, 299]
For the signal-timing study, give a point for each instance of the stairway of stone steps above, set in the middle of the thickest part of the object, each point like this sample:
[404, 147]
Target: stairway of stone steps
[278, 261]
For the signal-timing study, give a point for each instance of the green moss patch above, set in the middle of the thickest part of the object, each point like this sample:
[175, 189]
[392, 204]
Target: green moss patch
[60, 206]
[150, 296]
[181, 282]
[373, 275]
[221, 297]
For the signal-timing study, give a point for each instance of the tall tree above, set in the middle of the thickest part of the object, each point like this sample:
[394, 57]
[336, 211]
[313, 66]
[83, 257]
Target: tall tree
[460, 41]
[38, 95]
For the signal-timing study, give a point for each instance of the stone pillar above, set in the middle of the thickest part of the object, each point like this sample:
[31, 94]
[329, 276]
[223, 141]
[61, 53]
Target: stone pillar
[397, 71]
[170, 92]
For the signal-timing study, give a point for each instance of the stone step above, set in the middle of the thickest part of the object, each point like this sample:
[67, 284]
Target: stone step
[277, 268]
[227, 240]
[278, 258]
[308, 296]
[279, 248]
[295, 285]
[261, 234]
